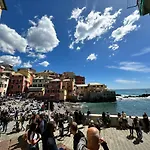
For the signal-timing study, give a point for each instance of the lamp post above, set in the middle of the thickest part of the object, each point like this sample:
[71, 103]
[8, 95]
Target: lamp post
[2, 6]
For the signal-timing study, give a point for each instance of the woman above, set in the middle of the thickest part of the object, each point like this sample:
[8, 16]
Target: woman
[33, 137]
[48, 138]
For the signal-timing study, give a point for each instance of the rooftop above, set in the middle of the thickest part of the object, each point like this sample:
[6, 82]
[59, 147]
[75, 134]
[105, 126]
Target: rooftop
[66, 80]
[54, 80]
[81, 85]
[95, 84]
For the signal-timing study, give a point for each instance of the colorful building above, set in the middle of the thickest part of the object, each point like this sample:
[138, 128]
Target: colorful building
[53, 88]
[79, 80]
[47, 73]
[18, 84]
[41, 81]
[4, 80]
[69, 86]
[28, 73]
[36, 92]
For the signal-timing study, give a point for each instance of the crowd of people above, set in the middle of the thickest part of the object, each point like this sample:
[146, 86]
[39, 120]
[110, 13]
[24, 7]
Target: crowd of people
[41, 127]
[134, 124]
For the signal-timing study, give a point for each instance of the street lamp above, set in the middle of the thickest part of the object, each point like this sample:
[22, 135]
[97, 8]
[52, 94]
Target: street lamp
[2, 6]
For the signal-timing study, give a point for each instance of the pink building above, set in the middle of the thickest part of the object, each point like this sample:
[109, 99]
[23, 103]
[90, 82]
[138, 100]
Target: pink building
[53, 88]
[17, 84]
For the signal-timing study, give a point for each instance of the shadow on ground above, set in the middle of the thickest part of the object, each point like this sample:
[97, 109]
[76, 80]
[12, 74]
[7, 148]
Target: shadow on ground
[20, 145]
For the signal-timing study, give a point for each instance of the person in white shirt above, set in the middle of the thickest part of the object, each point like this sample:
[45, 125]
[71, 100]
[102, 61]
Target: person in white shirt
[130, 124]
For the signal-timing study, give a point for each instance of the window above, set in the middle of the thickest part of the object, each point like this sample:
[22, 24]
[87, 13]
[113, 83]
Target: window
[39, 80]
[18, 86]
[12, 86]
[34, 85]
[5, 85]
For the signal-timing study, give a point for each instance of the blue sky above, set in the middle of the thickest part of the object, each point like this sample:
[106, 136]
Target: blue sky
[101, 40]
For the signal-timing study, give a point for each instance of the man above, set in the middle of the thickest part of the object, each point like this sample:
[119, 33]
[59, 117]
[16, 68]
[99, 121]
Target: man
[93, 140]
[130, 124]
[77, 135]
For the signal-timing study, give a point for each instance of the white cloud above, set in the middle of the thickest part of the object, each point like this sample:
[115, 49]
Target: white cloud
[94, 25]
[32, 22]
[92, 57]
[132, 66]
[76, 13]
[142, 52]
[78, 48]
[10, 40]
[114, 46]
[38, 55]
[27, 65]
[43, 37]
[44, 63]
[71, 46]
[12, 60]
[128, 26]
[126, 81]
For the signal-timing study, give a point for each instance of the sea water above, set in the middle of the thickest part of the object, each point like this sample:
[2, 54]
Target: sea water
[132, 105]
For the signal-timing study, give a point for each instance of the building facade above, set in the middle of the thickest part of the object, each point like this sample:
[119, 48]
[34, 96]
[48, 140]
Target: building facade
[28, 73]
[69, 86]
[17, 84]
[4, 81]
[79, 80]
[53, 88]
[47, 73]
[36, 92]
[41, 81]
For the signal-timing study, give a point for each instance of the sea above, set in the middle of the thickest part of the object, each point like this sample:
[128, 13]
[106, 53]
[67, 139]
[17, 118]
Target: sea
[134, 106]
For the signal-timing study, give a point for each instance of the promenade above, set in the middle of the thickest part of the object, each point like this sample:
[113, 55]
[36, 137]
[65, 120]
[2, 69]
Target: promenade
[116, 139]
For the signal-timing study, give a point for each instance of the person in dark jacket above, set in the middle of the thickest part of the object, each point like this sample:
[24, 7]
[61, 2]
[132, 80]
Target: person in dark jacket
[48, 138]
[77, 134]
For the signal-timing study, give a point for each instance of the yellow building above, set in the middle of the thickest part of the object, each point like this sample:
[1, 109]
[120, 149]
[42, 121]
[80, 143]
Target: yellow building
[63, 94]
[81, 89]
[47, 73]
[93, 87]
[28, 73]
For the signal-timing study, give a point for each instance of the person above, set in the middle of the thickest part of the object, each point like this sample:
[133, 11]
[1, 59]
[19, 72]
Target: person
[124, 120]
[130, 125]
[22, 119]
[104, 118]
[5, 123]
[70, 120]
[61, 126]
[120, 121]
[137, 127]
[48, 139]
[93, 140]
[146, 122]
[33, 137]
[41, 124]
[16, 114]
[77, 135]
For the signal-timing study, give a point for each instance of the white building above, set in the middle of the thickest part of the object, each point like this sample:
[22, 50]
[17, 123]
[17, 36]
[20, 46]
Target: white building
[4, 81]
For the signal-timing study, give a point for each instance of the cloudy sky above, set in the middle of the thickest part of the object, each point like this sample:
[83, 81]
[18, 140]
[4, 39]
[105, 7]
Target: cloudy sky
[101, 40]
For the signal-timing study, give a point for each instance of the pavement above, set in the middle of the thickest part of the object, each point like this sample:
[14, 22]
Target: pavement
[116, 140]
